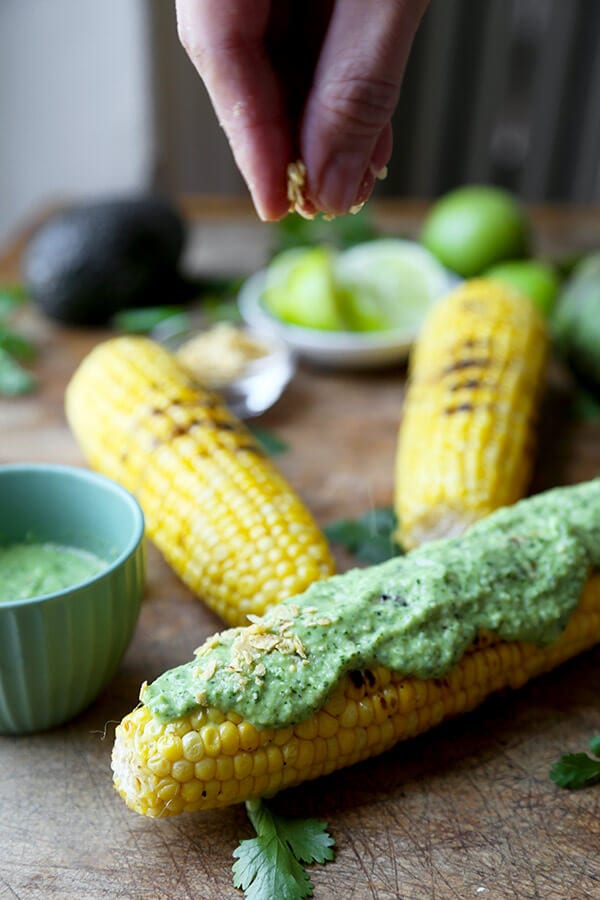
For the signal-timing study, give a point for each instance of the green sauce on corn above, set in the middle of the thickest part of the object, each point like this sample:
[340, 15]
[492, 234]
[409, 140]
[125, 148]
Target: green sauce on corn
[518, 573]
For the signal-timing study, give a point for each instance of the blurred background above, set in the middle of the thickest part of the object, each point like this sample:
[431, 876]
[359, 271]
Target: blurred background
[98, 97]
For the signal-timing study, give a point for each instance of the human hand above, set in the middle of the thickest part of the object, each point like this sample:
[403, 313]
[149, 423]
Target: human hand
[311, 79]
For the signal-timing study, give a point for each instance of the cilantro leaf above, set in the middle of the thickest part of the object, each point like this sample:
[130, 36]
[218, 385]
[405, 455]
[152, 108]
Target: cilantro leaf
[269, 865]
[308, 839]
[370, 537]
[13, 378]
[222, 309]
[143, 319]
[577, 770]
[270, 442]
[11, 296]
[15, 344]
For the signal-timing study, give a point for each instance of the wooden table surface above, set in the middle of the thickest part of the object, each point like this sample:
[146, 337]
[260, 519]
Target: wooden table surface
[464, 811]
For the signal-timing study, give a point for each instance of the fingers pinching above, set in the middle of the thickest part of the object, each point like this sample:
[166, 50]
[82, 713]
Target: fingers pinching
[346, 124]
[225, 42]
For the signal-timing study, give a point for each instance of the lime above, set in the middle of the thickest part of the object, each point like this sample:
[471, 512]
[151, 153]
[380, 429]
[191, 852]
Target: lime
[535, 279]
[473, 227]
[375, 286]
[300, 289]
[388, 283]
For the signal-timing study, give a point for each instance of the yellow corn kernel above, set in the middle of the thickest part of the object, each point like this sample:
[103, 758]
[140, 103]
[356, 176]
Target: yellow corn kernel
[149, 761]
[225, 768]
[230, 739]
[193, 748]
[466, 439]
[216, 507]
[242, 765]
[182, 770]
[205, 769]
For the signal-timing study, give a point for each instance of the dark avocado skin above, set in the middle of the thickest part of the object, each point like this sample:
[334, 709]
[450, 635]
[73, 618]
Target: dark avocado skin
[89, 261]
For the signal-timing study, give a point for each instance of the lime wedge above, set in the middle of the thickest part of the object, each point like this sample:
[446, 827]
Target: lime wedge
[388, 284]
[300, 289]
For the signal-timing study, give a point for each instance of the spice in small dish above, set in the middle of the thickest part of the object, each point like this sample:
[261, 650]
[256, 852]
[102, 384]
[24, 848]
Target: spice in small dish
[219, 356]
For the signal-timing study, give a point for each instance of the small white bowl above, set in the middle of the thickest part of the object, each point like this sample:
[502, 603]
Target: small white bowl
[336, 349]
[263, 380]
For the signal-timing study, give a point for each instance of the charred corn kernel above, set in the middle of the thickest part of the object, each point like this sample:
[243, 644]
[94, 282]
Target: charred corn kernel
[466, 440]
[215, 505]
[149, 761]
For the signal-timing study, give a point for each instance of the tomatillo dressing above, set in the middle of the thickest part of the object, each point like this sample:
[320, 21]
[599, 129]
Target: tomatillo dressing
[34, 569]
[518, 573]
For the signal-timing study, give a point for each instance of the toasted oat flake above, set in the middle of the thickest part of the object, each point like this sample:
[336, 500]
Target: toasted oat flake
[296, 187]
[210, 669]
[209, 645]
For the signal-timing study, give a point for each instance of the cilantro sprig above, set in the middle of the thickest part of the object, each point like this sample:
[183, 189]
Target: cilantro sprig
[14, 379]
[270, 442]
[271, 864]
[578, 770]
[370, 537]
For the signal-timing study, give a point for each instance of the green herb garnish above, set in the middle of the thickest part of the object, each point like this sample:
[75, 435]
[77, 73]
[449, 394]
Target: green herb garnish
[271, 443]
[223, 307]
[578, 770]
[144, 319]
[345, 231]
[11, 297]
[270, 865]
[370, 538]
[14, 343]
[14, 379]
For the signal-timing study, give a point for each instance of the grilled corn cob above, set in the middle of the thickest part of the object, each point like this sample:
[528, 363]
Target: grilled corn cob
[210, 757]
[215, 506]
[467, 435]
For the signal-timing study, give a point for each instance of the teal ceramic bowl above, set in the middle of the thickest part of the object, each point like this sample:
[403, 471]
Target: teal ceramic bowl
[58, 651]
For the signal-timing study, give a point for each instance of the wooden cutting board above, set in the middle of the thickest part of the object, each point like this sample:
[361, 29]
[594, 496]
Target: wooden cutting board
[464, 811]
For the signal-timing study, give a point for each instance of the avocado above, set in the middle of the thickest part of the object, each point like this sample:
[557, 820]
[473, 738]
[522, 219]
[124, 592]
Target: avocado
[576, 323]
[91, 260]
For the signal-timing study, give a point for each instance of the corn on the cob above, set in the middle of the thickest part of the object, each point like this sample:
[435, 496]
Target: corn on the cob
[215, 506]
[467, 436]
[211, 759]
[428, 636]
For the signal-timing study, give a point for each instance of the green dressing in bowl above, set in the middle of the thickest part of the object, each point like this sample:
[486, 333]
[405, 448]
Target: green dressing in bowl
[35, 569]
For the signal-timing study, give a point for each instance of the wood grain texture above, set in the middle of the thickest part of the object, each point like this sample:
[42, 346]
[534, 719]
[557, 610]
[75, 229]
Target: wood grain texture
[464, 811]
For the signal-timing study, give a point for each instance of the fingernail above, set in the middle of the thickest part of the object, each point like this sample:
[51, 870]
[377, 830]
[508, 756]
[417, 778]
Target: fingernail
[366, 188]
[341, 183]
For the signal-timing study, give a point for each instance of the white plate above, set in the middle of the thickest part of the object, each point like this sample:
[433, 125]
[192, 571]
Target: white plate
[337, 349]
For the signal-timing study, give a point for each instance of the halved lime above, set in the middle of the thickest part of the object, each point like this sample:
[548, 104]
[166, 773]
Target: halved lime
[388, 284]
